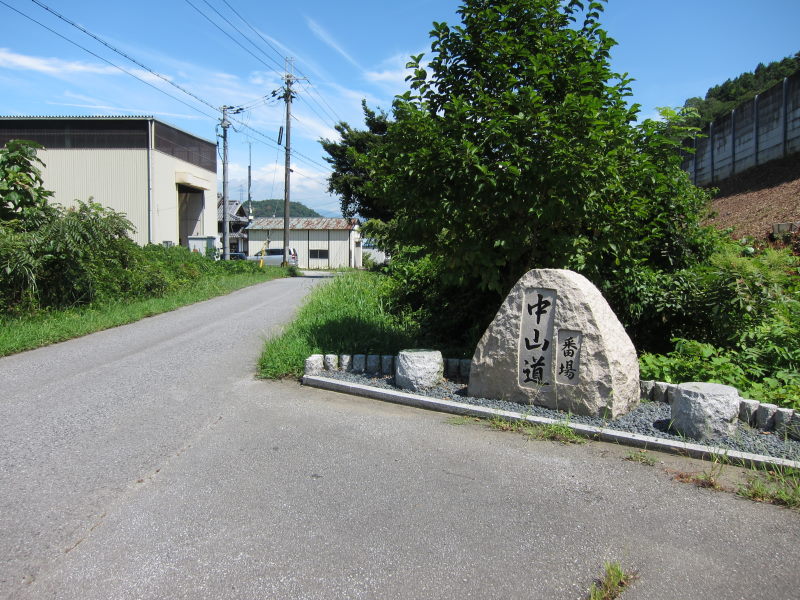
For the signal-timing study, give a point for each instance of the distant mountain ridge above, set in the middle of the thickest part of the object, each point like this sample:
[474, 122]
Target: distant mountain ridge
[274, 208]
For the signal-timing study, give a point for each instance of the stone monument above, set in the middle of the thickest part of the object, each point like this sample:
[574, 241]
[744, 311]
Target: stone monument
[555, 342]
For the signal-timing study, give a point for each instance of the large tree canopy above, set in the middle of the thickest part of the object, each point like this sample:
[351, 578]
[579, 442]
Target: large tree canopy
[515, 148]
[349, 175]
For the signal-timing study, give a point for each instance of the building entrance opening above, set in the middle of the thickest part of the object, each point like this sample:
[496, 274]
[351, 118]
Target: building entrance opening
[190, 213]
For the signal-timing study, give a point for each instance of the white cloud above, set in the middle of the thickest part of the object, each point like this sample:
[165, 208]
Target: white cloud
[51, 66]
[327, 38]
[391, 73]
[133, 111]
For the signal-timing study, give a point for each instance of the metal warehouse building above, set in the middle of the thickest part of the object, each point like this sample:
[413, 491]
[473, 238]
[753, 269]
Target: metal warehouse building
[321, 243]
[162, 178]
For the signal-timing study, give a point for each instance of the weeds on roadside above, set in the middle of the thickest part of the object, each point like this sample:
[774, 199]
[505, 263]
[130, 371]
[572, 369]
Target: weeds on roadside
[710, 478]
[774, 485]
[641, 456]
[461, 419]
[614, 580]
[554, 432]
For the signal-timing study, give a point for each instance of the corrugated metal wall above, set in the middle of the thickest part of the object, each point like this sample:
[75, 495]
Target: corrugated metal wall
[336, 242]
[757, 131]
[114, 178]
[118, 179]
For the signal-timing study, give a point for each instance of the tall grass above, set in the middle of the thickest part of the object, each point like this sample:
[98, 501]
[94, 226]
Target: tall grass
[346, 316]
[19, 333]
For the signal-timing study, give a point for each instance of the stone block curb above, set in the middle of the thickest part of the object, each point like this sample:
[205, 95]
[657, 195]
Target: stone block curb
[603, 434]
[457, 369]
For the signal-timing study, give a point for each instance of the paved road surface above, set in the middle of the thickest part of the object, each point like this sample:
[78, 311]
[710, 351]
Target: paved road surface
[146, 462]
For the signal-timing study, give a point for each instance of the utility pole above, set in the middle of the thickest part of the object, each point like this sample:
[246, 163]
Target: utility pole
[289, 79]
[224, 123]
[249, 184]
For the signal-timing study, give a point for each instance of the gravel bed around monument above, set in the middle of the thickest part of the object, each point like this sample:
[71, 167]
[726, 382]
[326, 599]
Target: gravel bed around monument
[649, 418]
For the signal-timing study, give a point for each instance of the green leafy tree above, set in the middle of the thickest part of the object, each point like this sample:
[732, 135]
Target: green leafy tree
[351, 173]
[23, 200]
[515, 148]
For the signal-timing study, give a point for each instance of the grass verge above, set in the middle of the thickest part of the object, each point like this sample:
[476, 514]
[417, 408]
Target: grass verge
[610, 586]
[26, 333]
[345, 316]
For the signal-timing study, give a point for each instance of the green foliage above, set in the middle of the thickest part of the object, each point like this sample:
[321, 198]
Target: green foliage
[611, 585]
[516, 148]
[350, 173]
[553, 432]
[269, 208]
[346, 316]
[641, 456]
[23, 200]
[75, 256]
[28, 331]
[775, 485]
[83, 255]
[721, 99]
[743, 308]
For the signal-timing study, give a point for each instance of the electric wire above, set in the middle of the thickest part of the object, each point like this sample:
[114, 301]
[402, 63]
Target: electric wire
[266, 139]
[312, 110]
[233, 39]
[121, 53]
[336, 117]
[224, 18]
[105, 60]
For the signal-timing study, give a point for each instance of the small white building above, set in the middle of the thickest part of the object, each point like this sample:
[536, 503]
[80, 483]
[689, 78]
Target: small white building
[321, 243]
[162, 178]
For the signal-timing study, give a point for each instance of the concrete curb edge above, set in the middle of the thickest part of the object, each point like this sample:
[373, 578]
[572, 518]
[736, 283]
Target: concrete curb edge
[603, 434]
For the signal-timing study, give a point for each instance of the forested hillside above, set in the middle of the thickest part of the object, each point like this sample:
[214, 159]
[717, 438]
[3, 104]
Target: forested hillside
[274, 208]
[723, 98]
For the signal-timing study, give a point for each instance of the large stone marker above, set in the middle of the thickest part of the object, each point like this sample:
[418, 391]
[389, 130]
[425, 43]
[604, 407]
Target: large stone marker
[555, 342]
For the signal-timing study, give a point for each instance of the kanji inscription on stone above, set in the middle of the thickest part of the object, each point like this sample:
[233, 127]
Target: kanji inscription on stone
[568, 355]
[536, 344]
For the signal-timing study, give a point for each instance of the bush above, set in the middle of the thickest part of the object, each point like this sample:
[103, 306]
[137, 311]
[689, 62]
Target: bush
[742, 315]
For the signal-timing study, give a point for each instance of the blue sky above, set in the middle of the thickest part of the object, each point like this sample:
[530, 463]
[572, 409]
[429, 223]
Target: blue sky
[347, 50]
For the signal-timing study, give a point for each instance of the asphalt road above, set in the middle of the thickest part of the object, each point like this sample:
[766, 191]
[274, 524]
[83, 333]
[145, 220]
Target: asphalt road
[147, 462]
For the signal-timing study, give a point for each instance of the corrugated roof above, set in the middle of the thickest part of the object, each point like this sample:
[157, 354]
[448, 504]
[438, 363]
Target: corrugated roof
[233, 208]
[304, 223]
[100, 118]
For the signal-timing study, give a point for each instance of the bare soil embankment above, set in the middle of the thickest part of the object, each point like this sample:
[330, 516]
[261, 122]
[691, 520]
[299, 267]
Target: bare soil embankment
[753, 201]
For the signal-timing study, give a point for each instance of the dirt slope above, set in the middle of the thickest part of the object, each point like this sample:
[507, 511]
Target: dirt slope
[752, 201]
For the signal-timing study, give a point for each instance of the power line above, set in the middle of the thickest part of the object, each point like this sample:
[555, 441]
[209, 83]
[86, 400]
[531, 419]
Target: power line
[233, 39]
[121, 53]
[224, 18]
[337, 118]
[116, 66]
[274, 143]
[149, 70]
[311, 108]
[274, 49]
